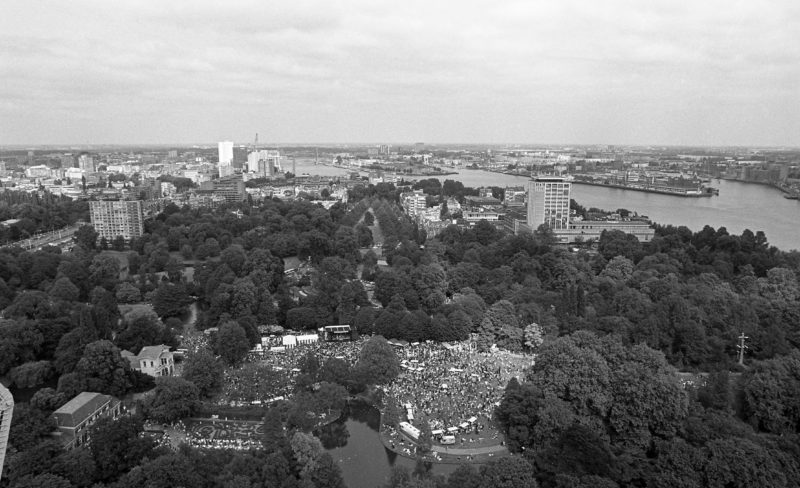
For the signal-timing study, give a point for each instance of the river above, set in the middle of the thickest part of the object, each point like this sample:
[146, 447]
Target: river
[739, 206]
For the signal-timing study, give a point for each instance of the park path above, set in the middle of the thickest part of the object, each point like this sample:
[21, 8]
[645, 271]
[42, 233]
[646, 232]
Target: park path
[377, 235]
[452, 451]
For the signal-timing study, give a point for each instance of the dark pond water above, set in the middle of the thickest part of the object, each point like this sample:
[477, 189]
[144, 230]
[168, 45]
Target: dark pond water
[354, 444]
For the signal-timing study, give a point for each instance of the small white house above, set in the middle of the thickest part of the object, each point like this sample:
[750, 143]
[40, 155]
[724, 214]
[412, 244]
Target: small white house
[152, 360]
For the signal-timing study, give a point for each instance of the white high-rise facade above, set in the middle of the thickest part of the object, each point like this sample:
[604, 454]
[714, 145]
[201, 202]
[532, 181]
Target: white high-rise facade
[6, 409]
[548, 202]
[225, 152]
[225, 158]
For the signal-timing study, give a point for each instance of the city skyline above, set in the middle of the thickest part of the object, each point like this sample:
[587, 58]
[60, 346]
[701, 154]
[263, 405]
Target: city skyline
[665, 73]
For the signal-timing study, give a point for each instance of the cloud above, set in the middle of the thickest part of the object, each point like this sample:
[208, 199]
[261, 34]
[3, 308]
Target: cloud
[574, 71]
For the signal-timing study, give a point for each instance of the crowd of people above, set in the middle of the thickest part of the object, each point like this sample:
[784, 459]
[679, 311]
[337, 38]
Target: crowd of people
[236, 444]
[237, 435]
[268, 376]
[454, 386]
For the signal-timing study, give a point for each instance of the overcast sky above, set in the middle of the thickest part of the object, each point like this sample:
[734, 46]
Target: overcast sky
[613, 72]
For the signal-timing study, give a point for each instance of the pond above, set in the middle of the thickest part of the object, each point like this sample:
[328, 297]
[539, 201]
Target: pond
[355, 445]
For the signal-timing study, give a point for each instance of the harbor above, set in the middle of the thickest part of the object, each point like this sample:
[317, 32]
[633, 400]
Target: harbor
[697, 192]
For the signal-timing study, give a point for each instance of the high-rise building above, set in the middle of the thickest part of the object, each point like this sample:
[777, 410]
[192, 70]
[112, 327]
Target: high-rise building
[548, 202]
[225, 152]
[6, 409]
[225, 158]
[67, 160]
[112, 218]
[264, 162]
[86, 163]
[239, 157]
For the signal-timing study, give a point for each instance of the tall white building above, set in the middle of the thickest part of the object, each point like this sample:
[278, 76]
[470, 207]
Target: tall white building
[112, 218]
[548, 202]
[225, 158]
[225, 152]
[6, 409]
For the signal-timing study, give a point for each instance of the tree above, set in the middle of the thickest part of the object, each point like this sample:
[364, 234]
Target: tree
[144, 329]
[171, 300]
[500, 325]
[740, 463]
[533, 336]
[167, 471]
[32, 305]
[424, 443]
[307, 450]
[103, 369]
[28, 426]
[128, 293]
[47, 399]
[617, 243]
[508, 472]
[117, 446]
[104, 271]
[75, 465]
[31, 374]
[63, 289]
[71, 346]
[377, 362]
[86, 237]
[174, 399]
[204, 370]
[45, 480]
[244, 300]
[335, 370]
[118, 243]
[231, 343]
[771, 393]
[330, 396]
[578, 451]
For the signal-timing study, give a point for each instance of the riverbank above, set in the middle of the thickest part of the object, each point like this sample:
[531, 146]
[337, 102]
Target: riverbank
[789, 193]
[401, 445]
[676, 192]
[388, 169]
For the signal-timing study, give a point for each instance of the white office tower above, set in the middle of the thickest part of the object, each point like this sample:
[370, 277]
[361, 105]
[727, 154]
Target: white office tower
[226, 152]
[225, 158]
[548, 202]
[6, 409]
[265, 163]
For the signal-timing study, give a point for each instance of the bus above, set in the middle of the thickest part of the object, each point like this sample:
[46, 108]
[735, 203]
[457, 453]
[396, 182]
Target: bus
[409, 430]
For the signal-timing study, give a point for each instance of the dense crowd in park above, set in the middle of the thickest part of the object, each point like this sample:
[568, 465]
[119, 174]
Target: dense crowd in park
[266, 376]
[448, 386]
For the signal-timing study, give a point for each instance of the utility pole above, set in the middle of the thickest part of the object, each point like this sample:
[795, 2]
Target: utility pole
[742, 347]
